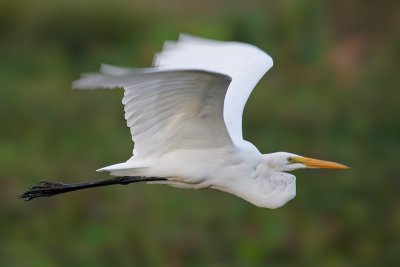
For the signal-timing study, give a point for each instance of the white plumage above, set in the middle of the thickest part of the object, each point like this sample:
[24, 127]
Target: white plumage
[185, 117]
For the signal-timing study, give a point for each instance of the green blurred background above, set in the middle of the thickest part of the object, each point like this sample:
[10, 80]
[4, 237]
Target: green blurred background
[333, 93]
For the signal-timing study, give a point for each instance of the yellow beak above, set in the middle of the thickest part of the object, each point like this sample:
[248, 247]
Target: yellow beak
[317, 163]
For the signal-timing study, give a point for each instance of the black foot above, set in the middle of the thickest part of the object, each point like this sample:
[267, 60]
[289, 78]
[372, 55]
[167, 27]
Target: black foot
[43, 189]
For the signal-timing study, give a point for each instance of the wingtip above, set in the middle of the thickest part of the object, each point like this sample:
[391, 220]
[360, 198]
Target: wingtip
[81, 83]
[76, 85]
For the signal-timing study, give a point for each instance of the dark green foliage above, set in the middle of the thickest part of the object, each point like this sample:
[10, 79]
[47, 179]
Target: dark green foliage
[333, 94]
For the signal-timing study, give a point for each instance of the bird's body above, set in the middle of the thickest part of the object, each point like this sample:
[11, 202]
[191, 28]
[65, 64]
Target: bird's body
[185, 117]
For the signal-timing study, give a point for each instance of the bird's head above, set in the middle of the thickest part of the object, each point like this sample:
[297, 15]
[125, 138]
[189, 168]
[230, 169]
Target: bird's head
[283, 162]
[276, 187]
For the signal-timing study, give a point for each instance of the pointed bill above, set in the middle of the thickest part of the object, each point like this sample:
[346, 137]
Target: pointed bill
[317, 163]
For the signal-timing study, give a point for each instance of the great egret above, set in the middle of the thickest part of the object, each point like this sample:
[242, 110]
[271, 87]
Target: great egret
[185, 117]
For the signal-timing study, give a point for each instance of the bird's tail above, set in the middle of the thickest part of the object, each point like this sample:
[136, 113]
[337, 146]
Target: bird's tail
[126, 169]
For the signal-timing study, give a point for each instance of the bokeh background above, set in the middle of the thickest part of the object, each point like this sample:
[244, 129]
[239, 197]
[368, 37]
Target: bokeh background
[333, 93]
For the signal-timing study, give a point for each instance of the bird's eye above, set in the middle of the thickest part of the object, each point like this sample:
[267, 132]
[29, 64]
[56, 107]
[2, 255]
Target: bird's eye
[290, 159]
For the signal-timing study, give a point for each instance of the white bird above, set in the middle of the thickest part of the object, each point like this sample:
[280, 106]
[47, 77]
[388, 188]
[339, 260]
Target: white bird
[185, 117]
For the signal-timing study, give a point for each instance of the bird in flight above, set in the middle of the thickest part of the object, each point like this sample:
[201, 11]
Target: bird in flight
[185, 118]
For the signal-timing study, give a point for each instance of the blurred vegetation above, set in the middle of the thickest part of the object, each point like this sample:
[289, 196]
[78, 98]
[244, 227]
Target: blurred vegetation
[333, 93]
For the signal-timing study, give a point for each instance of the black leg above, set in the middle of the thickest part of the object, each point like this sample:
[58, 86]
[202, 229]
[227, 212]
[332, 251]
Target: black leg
[48, 188]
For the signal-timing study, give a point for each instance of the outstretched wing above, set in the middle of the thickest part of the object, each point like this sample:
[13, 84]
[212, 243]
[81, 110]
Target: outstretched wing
[169, 109]
[244, 63]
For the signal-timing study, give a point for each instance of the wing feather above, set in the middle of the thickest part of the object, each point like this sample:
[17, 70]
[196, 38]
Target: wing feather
[244, 63]
[168, 109]
[193, 98]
